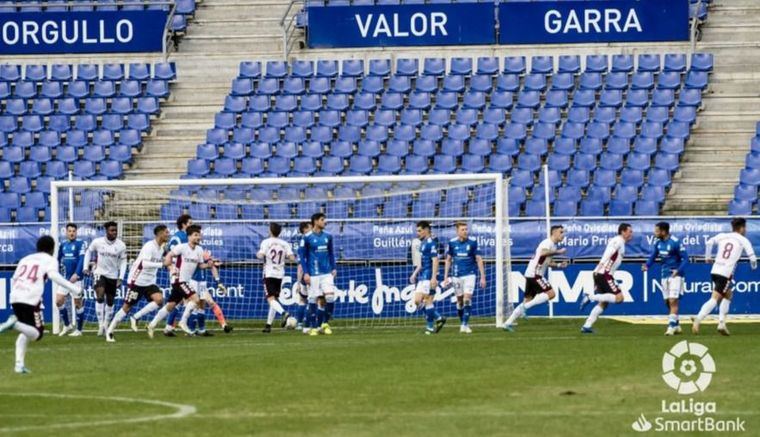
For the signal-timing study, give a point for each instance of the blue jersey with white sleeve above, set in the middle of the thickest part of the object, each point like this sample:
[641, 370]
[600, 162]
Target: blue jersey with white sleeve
[673, 256]
[463, 254]
[317, 254]
[71, 257]
[428, 250]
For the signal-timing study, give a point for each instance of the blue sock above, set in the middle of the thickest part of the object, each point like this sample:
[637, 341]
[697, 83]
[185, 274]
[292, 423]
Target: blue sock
[321, 314]
[330, 310]
[201, 321]
[300, 313]
[430, 314]
[460, 313]
[172, 318]
[672, 321]
[312, 318]
[80, 318]
[191, 321]
[467, 310]
[64, 315]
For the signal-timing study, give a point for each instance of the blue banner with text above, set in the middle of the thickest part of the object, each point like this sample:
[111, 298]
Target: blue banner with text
[27, 33]
[401, 25]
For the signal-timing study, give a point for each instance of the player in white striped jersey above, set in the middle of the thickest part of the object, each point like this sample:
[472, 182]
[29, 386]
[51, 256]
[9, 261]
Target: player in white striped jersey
[274, 252]
[607, 290]
[537, 289]
[110, 267]
[141, 282]
[187, 257]
[730, 248]
[27, 288]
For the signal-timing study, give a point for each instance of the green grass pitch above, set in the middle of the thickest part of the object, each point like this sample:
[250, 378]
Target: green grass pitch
[545, 379]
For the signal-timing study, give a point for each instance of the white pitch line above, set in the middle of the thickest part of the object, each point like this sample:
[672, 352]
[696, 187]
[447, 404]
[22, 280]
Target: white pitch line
[181, 411]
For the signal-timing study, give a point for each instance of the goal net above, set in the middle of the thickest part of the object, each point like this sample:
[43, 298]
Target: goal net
[372, 219]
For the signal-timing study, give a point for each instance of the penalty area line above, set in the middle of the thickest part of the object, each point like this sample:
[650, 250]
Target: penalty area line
[180, 411]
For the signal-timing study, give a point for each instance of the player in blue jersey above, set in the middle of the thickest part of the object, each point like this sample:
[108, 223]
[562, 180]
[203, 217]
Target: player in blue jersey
[300, 290]
[674, 260]
[426, 277]
[71, 259]
[317, 258]
[463, 254]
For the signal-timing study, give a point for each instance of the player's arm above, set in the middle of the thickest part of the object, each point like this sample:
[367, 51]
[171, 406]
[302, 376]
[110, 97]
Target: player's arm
[53, 275]
[169, 257]
[122, 266]
[434, 274]
[446, 266]
[78, 272]
[709, 246]
[88, 258]
[684, 260]
[289, 253]
[331, 256]
[481, 270]
[650, 259]
[750, 251]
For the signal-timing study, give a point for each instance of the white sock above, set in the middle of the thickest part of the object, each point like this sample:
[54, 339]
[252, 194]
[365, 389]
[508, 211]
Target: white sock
[160, 315]
[21, 343]
[149, 308]
[517, 312]
[723, 310]
[117, 319]
[595, 313]
[100, 312]
[270, 316]
[109, 315]
[537, 300]
[707, 308]
[604, 297]
[188, 309]
[275, 305]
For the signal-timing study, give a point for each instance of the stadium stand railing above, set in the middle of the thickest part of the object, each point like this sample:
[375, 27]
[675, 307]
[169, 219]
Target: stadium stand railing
[745, 201]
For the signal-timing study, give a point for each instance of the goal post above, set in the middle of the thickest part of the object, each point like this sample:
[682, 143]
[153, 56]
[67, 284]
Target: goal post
[372, 219]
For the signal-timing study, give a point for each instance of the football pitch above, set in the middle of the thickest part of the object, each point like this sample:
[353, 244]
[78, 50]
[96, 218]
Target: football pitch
[545, 379]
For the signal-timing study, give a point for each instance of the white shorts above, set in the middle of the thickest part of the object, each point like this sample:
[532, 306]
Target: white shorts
[321, 285]
[423, 287]
[463, 285]
[673, 287]
[64, 292]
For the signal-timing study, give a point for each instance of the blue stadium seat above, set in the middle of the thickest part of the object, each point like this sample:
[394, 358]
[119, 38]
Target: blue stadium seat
[569, 64]
[702, 62]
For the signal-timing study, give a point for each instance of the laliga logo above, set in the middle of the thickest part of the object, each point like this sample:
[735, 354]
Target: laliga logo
[681, 365]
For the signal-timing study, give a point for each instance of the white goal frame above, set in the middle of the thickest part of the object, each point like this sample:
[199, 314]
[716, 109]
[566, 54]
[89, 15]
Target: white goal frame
[502, 254]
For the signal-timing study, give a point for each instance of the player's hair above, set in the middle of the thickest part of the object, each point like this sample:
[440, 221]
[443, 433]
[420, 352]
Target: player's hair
[459, 224]
[623, 227]
[316, 216]
[554, 228]
[158, 229]
[109, 224]
[46, 244]
[424, 224]
[663, 226]
[193, 229]
[275, 229]
[71, 225]
[183, 220]
[738, 223]
[303, 226]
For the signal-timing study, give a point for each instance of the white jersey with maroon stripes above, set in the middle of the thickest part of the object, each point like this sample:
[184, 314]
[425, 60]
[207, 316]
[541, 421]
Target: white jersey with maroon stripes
[612, 257]
[538, 264]
[145, 268]
[275, 251]
[112, 257]
[28, 282]
[187, 260]
[730, 248]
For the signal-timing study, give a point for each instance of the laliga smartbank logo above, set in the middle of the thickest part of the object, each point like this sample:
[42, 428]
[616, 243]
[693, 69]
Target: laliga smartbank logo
[688, 368]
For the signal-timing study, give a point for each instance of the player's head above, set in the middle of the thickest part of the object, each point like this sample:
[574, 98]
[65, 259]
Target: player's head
[46, 244]
[662, 230]
[304, 228]
[184, 221]
[462, 230]
[71, 231]
[625, 230]
[193, 234]
[112, 230]
[318, 221]
[739, 225]
[161, 232]
[423, 229]
[557, 233]
[275, 229]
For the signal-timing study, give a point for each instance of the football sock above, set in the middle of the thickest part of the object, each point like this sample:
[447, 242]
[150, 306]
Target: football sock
[200, 318]
[64, 315]
[300, 313]
[99, 312]
[517, 312]
[109, 314]
[460, 312]
[466, 311]
[723, 310]
[673, 320]
[707, 308]
[147, 309]
[313, 315]
[275, 305]
[320, 316]
[172, 320]
[188, 310]
[117, 318]
[219, 314]
[80, 318]
[270, 316]
[595, 313]
[160, 315]
[329, 307]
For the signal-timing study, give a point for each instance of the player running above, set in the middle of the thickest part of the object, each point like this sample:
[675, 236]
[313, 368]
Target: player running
[464, 253]
[27, 288]
[318, 263]
[274, 251]
[71, 259]
[427, 272]
[110, 267]
[187, 258]
[537, 289]
[299, 288]
[730, 247]
[607, 290]
[141, 282]
[674, 261]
